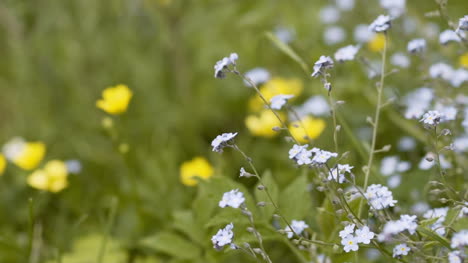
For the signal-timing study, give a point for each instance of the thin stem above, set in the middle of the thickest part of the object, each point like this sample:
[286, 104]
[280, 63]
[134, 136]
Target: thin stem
[333, 113]
[108, 228]
[256, 234]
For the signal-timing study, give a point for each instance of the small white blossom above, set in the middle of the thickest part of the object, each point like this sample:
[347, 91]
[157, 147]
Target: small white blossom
[379, 197]
[278, 101]
[394, 181]
[455, 257]
[348, 230]
[338, 173]
[350, 243]
[329, 15]
[392, 164]
[441, 70]
[417, 45]
[298, 226]
[461, 144]
[304, 158]
[223, 237]
[440, 214]
[400, 60]
[406, 144]
[449, 36]
[233, 198]
[316, 105]
[394, 7]
[364, 235]
[459, 77]
[463, 23]
[257, 76]
[362, 34]
[381, 24]
[296, 150]
[284, 34]
[321, 65]
[334, 35]
[418, 102]
[345, 5]
[322, 156]
[222, 141]
[73, 166]
[346, 53]
[431, 118]
[401, 250]
[223, 64]
[460, 239]
[13, 148]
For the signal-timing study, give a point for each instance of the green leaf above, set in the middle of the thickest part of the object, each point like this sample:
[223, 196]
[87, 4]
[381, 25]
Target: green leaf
[295, 202]
[225, 216]
[287, 50]
[261, 195]
[173, 245]
[326, 219]
[184, 221]
[434, 236]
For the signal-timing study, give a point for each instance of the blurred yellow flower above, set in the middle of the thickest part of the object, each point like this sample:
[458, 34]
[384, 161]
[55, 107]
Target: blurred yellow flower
[2, 164]
[53, 178]
[273, 87]
[115, 99]
[26, 155]
[314, 127]
[263, 123]
[377, 43]
[464, 60]
[197, 167]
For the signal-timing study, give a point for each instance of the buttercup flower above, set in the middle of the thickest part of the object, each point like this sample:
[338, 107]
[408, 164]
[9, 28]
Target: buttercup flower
[197, 168]
[223, 237]
[346, 53]
[417, 45]
[222, 141]
[377, 43]
[322, 65]
[307, 128]
[233, 198]
[53, 177]
[463, 60]
[262, 124]
[381, 24]
[278, 101]
[2, 164]
[115, 99]
[26, 155]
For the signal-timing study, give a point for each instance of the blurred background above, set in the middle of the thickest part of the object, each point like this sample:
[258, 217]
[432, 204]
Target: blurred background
[58, 56]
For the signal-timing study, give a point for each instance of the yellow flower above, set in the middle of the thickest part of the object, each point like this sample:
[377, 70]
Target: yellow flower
[115, 100]
[2, 164]
[464, 60]
[262, 124]
[197, 167]
[26, 155]
[307, 128]
[377, 43]
[273, 87]
[53, 178]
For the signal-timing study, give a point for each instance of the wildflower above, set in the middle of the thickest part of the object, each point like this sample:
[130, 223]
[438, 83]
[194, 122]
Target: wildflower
[364, 235]
[338, 173]
[418, 102]
[304, 158]
[223, 64]
[431, 118]
[296, 150]
[440, 214]
[346, 53]
[406, 144]
[459, 77]
[26, 155]
[362, 33]
[316, 105]
[334, 35]
[257, 76]
[377, 43]
[262, 124]
[400, 60]
[381, 24]
[460, 239]
[284, 34]
[348, 230]
[463, 23]
[329, 15]
[233, 198]
[449, 36]
[394, 181]
[416, 45]
[345, 5]
[379, 197]
[350, 243]
[401, 250]
[307, 128]
[278, 101]
[322, 65]
[273, 87]
[196, 168]
[297, 227]
[2, 164]
[394, 7]
[406, 222]
[73, 166]
[322, 156]
[463, 60]
[441, 70]
[461, 144]
[392, 164]
[115, 99]
[53, 178]
[455, 257]
[222, 141]
[223, 237]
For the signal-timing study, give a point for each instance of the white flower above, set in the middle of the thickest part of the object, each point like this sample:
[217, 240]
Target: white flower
[464, 210]
[73, 166]
[13, 148]
[441, 70]
[431, 118]
[417, 45]
[401, 250]
[350, 243]
[400, 60]
[459, 77]
[381, 24]
[278, 101]
[316, 105]
[463, 23]
[297, 227]
[394, 7]
[243, 173]
[346, 53]
[329, 15]
[322, 156]
[364, 235]
[440, 214]
[449, 113]
[418, 102]
[224, 63]
[394, 181]
[257, 76]
[222, 141]
[379, 197]
[321, 65]
[296, 150]
[406, 144]
[460, 239]
[334, 35]
[391, 228]
[409, 223]
[304, 158]
[345, 5]
[338, 173]
[461, 144]
[284, 34]
[392, 164]
[223, 237]
[455, 257]
[362, 34]
[348, 230]
[233, 198]
[448, 36]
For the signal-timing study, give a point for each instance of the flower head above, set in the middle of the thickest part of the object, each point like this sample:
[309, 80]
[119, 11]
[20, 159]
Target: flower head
[222, 141]
[198, 167]
[379, 197]
[273, 87]
[401, 250]
[2, 164]
[26, 155]
[463, 23]
[224, 63]
[223, 237]
[322, 156]
[297, 227]
[346, 53]
[307, 128]
[53, 177]
[338, 173]
[233, 198]
[417, 45]
[364, 235]
[381, 24]
[257, 76]
[348, 230]
[278, 101]
[350, 243]
[322, 65]
[449, 35]
[460, 239]
[263, 123]
[115, 99]
[431, 118]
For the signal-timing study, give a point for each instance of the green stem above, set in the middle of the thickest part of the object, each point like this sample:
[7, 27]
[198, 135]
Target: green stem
[108, 228]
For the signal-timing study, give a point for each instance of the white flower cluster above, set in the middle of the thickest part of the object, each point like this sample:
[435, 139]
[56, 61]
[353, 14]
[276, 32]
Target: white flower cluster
[449, 35]
[233, 198]
[346, 53]
[278, 101]
[460, 239]
[455, 256]
[223, 237]
[222, 141]
[455, 77]
[316, 156]
[439, 213]
[298, 226]
[350, 238]
[381, 24]
[418, 102]
[394, 227]
[223, 64]
[401, 250]
[322, 65]
[338, 173]
[417, 46]
[379, 197]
